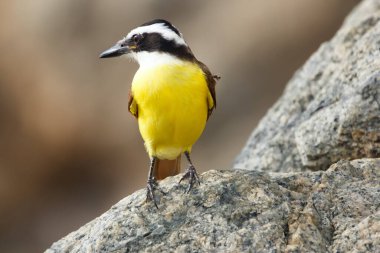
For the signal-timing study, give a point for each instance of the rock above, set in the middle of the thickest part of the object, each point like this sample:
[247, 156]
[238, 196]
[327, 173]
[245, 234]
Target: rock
[329, 112]
[245, 211]
[330, 109]
[345, 202]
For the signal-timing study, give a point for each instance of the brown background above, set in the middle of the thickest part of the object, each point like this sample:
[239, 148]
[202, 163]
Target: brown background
[68, 147]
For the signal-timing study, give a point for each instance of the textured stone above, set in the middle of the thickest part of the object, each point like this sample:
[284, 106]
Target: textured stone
[330, 109]
[245, 211]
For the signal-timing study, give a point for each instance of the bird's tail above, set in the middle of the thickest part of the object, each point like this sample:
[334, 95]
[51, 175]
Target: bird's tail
[167, 168]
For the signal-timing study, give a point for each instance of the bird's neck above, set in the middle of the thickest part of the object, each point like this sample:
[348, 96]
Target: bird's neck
[153, 59]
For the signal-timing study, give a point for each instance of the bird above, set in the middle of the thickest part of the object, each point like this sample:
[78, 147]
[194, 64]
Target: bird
[172, 97]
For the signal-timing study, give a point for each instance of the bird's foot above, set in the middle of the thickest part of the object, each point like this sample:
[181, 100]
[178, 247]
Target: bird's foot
[150, 187]
[191, 173]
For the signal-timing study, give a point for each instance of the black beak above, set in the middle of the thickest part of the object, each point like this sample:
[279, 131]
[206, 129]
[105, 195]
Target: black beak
[114, 51]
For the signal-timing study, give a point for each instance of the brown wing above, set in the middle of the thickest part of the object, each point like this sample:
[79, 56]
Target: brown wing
[132, 106]
[211, 82]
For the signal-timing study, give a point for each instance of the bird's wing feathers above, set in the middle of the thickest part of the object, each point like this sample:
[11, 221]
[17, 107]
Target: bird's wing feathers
[132, 106]
[211, 82]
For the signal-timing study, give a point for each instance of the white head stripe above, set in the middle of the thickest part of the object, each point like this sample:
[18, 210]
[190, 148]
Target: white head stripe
[160, 28]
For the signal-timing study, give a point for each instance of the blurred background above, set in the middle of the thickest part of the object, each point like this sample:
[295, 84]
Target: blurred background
[69, 149]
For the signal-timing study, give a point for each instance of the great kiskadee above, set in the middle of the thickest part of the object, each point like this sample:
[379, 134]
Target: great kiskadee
[172, 97]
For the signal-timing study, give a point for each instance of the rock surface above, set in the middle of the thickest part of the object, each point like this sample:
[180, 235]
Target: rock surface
[330, 109]
[245, 211]
[329, 112]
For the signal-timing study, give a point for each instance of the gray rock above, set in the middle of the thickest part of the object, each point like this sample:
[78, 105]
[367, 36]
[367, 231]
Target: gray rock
[330, 109]
[245, 211]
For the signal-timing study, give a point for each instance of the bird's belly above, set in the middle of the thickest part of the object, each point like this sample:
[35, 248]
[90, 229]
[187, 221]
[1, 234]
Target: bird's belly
[167, 132]
[172, 109]
[172, 113]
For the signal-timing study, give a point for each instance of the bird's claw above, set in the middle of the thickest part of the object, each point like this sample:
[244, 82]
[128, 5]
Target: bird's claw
[150, 187]
[191, 173]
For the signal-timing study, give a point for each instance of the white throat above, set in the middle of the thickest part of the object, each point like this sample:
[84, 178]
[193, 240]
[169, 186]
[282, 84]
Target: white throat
[153, 59]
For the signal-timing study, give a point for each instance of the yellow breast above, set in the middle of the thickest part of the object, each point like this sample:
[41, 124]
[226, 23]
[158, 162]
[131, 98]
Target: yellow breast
[172, 107]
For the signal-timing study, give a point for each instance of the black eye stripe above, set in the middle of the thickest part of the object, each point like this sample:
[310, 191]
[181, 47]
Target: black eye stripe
[154, 42]
[137, 37]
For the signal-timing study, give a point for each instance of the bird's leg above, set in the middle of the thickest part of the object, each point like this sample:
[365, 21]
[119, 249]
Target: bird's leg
[152, 183]
[191, 173]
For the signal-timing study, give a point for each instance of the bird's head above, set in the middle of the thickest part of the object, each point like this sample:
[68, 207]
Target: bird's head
[151, 41]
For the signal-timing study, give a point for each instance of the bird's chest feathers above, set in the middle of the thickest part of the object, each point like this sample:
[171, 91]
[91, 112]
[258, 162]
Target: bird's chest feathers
[169, 82]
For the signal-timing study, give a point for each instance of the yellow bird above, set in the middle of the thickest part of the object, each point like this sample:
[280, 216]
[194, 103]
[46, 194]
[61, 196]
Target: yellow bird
[172, 96]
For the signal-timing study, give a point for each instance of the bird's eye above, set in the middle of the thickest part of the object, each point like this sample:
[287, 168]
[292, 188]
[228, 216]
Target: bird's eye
[137, 38]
